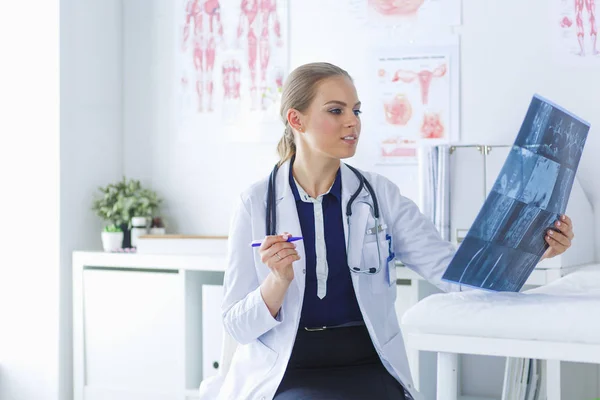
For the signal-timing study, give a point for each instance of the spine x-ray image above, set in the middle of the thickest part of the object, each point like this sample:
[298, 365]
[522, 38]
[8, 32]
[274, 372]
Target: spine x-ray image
[506, 241]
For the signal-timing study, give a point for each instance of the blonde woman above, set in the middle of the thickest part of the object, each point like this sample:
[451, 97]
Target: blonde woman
[315, 318]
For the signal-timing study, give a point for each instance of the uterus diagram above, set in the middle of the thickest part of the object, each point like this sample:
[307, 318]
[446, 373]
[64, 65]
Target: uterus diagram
[412, 106]
[423, 77]
[396, 8]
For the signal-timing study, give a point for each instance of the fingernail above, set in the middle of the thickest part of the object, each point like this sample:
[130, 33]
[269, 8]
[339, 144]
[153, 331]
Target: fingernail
[550, 233]
[557, 223]
[564, 217]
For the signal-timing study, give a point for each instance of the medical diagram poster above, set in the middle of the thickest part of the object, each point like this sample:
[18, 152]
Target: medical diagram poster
[388, 18]
[231, 59]
[506, 241]
[416, 100]
[574, 27]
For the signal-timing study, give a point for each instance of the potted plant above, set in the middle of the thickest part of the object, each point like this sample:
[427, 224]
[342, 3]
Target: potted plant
[119, 202]
[157, 227]
[112, 238]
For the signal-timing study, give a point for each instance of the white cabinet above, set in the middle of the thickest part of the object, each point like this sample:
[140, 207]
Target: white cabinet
[212, 329]
[138, 324]
[473, 171]
[133, 334]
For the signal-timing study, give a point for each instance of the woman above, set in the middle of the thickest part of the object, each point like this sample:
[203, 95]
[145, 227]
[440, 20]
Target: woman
[315, 318]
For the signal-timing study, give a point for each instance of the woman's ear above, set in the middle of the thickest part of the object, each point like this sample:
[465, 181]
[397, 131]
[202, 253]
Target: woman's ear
[295, 118]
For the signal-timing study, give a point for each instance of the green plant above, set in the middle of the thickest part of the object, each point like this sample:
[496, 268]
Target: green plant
[112, 228]
[121, 201]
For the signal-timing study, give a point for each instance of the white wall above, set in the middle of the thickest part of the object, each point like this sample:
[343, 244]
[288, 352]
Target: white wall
[29, 200]
[506, 57]
[49, 170]
[91, 141]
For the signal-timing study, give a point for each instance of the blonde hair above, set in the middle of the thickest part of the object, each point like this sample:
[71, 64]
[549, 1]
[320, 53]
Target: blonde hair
[298, 93]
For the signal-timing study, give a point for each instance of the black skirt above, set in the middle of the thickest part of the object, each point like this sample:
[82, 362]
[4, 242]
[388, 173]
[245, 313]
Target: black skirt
[337, 363]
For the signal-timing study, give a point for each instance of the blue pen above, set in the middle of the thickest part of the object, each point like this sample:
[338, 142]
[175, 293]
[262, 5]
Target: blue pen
[257, 243]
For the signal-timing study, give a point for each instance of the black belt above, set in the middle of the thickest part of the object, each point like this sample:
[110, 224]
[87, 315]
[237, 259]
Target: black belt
[346, 325]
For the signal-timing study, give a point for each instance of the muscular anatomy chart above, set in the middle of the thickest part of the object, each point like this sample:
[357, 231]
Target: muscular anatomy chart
[576, 30]
[590, 9]
[231, 61]
[259, 23]
[201, 30]
[414, 103]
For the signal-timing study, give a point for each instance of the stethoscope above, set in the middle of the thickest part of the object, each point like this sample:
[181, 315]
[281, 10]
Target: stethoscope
[271, 217]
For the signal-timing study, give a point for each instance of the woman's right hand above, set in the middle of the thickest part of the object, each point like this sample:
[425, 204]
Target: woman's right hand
[278, 254]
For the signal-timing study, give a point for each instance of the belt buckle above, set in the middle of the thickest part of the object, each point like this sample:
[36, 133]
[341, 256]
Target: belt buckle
[315, 329]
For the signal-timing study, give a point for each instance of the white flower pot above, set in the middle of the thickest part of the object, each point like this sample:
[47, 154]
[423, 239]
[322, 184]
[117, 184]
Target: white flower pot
[112, 241]
[157, 231]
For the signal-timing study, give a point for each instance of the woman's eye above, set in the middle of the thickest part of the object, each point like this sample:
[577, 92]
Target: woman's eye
[357, 112]
[335, 111]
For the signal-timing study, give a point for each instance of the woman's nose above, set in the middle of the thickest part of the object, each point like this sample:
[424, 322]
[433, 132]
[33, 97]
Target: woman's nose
[353, 121]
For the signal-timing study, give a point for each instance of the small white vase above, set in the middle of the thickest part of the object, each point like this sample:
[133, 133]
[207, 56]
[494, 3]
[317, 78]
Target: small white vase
[157, 231]
[112, 241]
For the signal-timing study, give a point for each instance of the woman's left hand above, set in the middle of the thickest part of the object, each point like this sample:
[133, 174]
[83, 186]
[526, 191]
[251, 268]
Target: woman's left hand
[559, 241]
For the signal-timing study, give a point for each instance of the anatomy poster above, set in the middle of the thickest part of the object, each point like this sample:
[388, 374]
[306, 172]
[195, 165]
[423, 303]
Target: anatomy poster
[387, 18]
[506, 241]
[417, 100]
[231, 61]
[575, 27]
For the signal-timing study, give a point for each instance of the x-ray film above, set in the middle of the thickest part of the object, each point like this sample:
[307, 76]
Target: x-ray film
[506, 241]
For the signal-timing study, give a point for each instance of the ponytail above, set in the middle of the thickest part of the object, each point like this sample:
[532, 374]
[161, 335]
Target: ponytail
[286, 147]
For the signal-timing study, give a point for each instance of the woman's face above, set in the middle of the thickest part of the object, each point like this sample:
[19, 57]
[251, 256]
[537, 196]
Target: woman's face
[332, 122]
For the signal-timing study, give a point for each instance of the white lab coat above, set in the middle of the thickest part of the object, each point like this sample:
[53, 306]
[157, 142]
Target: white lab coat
[265, 342]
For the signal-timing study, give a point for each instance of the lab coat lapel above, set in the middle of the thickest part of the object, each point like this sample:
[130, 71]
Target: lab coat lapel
[288, 221]
[354, 230]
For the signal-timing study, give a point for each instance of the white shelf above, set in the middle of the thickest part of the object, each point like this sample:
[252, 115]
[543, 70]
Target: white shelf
[208, 262]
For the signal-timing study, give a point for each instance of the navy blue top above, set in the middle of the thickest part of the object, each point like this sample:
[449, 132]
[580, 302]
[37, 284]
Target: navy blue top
[339, 306]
